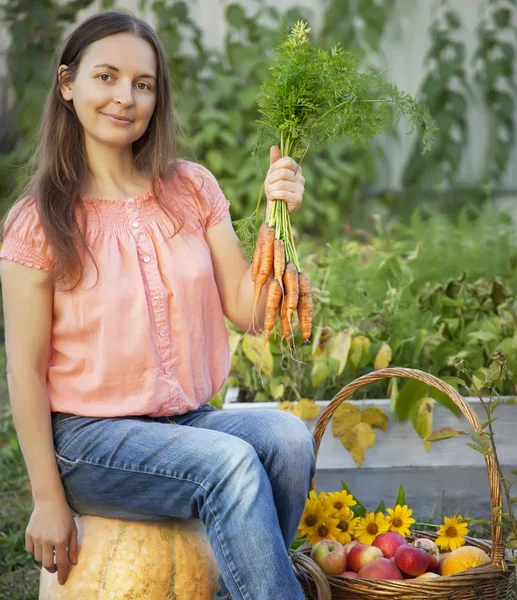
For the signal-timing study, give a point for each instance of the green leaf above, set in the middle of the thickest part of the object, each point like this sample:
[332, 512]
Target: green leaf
[359, 510]
[411, 394]
[421, 416]
[320, 370]
[381, 507]
[401, 498]
[477, 448]
[235, 15]
[446, 401]
[259, 353]
[502, 17]
[514, 472]
[444, 433]
[454, 381]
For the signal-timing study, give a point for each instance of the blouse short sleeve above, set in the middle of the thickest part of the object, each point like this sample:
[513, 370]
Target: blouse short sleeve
[213, 204]
[24, 240]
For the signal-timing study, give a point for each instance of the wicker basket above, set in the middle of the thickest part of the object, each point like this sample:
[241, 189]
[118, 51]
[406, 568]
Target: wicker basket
[494, 581]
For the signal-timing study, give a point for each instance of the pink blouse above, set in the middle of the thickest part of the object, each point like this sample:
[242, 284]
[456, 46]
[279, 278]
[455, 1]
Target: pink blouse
[149, 338]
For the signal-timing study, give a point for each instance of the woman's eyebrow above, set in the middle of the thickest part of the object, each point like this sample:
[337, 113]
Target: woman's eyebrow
[107, 66]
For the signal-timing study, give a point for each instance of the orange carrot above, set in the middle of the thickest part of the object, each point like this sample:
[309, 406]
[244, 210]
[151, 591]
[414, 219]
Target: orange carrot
[255, 265]
[291, 287]
[266, 251]
[284, 321]
[274, 296]
[304, 307]
[279, 261]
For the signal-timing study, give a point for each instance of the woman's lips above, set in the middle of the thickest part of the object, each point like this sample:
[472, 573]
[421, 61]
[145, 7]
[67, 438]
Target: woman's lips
[118, 120]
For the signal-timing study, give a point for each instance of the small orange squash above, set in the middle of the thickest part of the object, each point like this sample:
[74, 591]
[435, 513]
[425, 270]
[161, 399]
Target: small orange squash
[141, 560]
[461, 559]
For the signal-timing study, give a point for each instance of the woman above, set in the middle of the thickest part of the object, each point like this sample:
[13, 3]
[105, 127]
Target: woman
[119, 265]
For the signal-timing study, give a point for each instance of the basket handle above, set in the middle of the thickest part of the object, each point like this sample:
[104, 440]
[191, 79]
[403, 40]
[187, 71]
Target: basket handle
[494, 479]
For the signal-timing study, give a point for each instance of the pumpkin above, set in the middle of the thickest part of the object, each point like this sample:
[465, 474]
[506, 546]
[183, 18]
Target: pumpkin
[141, 560]
[462, 559]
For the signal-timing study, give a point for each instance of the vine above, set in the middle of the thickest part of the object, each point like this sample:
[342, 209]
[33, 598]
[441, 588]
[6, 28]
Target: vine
[494, 63]
[445, 93]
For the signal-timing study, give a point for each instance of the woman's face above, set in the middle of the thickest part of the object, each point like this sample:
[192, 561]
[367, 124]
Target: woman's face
[116, 77]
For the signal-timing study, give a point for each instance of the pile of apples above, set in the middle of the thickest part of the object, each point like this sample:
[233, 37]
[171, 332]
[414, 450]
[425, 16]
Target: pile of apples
[390, 556]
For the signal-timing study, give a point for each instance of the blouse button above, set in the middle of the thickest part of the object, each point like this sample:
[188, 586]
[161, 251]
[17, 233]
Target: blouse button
[135, 223]
[147, 259]
[131, 203]
[163, 332]
[156, 295]
[167, 370]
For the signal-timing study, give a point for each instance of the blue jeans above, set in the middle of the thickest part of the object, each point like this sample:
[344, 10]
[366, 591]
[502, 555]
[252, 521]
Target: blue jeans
[245, 474]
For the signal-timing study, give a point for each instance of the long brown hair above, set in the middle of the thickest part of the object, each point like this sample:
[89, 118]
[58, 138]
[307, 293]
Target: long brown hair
[59, 166]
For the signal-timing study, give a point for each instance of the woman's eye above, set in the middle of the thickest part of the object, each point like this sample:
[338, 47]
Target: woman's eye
[143, 86]
[104, 75]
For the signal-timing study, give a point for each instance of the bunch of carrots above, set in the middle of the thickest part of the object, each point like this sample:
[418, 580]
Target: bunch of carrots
[289, 289]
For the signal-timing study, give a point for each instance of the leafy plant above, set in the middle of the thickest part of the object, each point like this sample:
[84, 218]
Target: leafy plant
[481, 382]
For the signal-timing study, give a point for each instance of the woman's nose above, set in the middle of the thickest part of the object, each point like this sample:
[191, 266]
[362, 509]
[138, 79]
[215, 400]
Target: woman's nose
[124, 94]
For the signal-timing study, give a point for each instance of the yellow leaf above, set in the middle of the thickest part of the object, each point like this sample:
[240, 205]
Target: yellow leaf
[383, 358]
[338, 349]
[235, 338]
[358, 440]
[320, 370]
[375, 417]
[359, 347]
[307, 409]
[258, 353]
[421, 416]
[286, 406]
[346, 416]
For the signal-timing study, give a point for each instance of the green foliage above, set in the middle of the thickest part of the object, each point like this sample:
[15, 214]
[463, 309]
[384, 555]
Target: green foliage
[432, 297]
[313, 96]
[444, 92]
[495, 72]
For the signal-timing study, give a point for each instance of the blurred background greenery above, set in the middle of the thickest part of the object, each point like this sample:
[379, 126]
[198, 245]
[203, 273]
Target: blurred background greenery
[416, 252]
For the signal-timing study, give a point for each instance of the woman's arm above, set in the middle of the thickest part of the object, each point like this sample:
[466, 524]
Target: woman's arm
[51, 535]
[28, 319]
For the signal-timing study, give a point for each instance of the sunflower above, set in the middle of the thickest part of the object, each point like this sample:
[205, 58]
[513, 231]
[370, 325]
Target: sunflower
[369, 527]
[347, 524]
[400, 519]
[326, 529]
[339, 500]
[451, 534]
[313, 513]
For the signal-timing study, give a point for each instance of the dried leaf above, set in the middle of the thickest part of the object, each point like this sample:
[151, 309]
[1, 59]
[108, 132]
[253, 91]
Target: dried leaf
[444, 433]
[307, 409]
[383, 358]
[358, 440]
[359, 347]
[375, 417]
[346, 416]
[286, 406]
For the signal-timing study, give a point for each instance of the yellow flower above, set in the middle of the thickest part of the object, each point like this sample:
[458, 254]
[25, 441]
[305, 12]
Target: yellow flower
[369, 527]
[347, 524]
[313, 513]
[451, 534]
[338, 500]
[326, 529]
[400, 519]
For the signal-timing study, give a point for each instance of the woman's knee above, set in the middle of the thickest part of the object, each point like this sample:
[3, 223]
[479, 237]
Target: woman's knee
[290, 432]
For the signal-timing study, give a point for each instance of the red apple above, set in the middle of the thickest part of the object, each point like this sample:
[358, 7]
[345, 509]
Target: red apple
[348, 575]
[412, 561]
[361, 554]
[389, 542]
[380, 568]
[330, 556]
[432, 548]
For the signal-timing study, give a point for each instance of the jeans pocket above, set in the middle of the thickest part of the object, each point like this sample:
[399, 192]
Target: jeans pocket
[65, 465]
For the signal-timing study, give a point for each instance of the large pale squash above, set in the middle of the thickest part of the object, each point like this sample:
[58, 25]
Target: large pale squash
[137, 560]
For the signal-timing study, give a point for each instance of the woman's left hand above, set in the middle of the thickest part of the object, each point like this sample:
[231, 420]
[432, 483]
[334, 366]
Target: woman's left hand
[284, 180]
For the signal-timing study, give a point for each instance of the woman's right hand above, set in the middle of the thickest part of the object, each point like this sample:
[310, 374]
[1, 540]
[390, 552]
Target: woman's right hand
[52, 528]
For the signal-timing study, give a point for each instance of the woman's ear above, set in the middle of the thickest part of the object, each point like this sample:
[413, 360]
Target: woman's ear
[65, 82]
